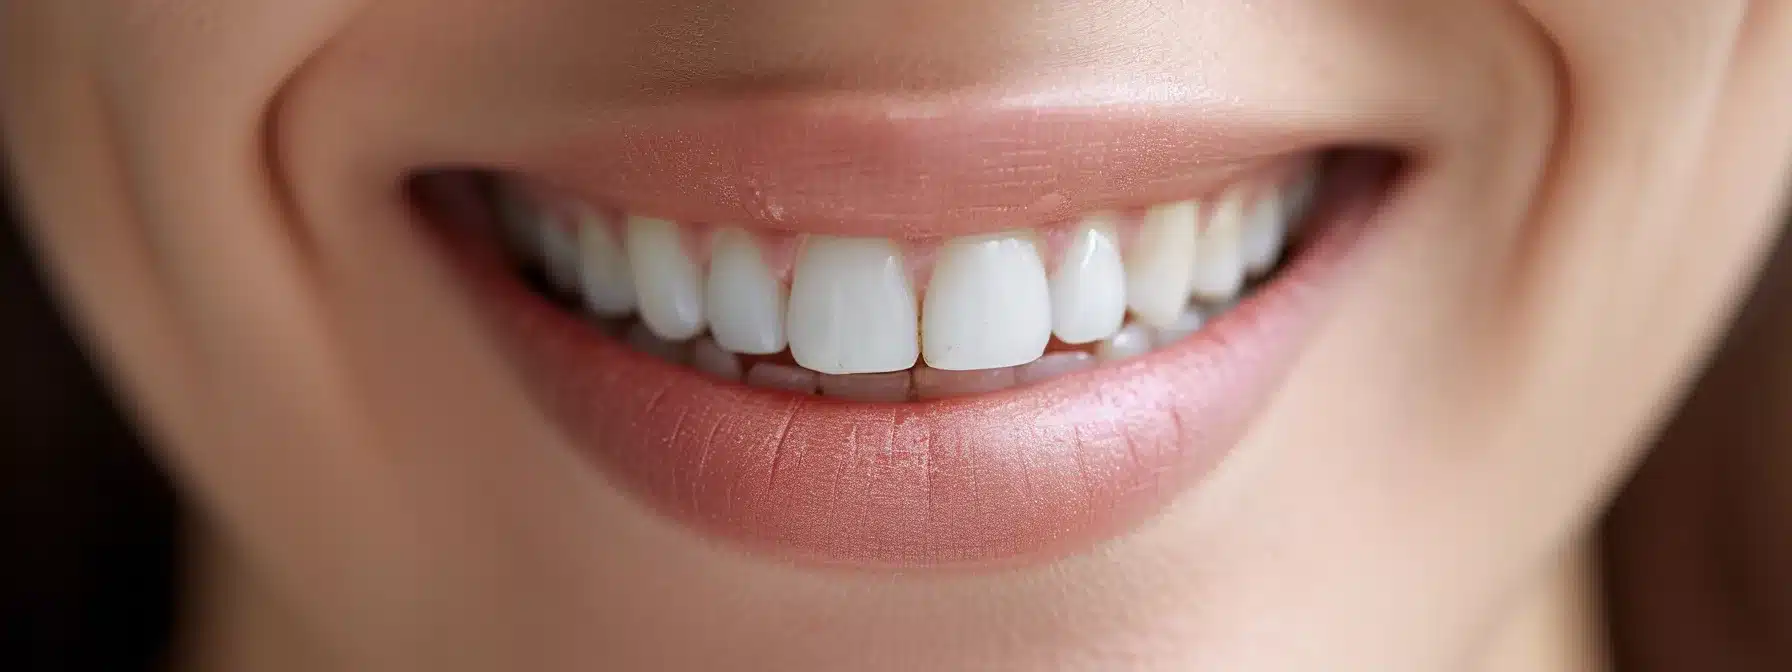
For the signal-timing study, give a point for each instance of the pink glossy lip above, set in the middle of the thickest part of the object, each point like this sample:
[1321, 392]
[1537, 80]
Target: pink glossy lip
[1044, 469]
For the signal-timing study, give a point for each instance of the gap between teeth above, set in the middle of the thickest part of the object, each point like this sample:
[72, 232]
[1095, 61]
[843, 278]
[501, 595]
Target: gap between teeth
[872, 319]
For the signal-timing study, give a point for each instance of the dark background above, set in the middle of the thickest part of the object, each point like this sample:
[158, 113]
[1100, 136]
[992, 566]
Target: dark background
[1698, 548]
[87, 524]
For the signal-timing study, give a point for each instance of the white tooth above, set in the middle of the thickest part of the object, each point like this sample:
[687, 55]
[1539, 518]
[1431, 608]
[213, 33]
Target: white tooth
[1054, 365]
[1089, 288]
[1184, 327]
[643, 339]
[1219, 270]
[781, 377]
[745, 302]
[604, 277]
[988, 306]
[1161, 262]
[668, 284]
[559, 251]
[852, 308]
[1131, 341]
[867, 387]
[710, 358]
[932, 383]
[1265, 228]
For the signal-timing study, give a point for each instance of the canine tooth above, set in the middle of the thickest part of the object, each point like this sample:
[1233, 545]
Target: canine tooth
[1053, 365]
[644, 340]
[931, 383]
[1131, 341]
[1089, 287]
[710, 358]
[604, 277]
[1219, 271]
[1185, 326]
[852, 309]
[745, 302]
[868, 387]
[988, 306]
[668, 284]
[1265, 229]
[782, 377]
[1161, 262]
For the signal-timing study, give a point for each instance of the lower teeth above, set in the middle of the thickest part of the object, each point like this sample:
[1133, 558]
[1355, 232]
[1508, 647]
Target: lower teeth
[780, 372]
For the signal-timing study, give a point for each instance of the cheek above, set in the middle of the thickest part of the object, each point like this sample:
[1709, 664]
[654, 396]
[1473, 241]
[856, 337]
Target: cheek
[1492, 378]
[1591, 197]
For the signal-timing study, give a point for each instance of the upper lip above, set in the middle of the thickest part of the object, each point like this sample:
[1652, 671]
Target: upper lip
[902, 170]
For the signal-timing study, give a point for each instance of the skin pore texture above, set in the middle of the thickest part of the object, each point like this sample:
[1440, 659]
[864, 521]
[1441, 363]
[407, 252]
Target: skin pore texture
[216, 186]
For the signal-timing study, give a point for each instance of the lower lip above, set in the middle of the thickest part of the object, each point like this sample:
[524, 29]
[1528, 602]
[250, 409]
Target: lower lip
[1025, 474]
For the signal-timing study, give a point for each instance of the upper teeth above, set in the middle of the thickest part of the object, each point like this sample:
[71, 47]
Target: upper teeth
[860, 305]
[988, 305]
[852, 307]
[1089, 288]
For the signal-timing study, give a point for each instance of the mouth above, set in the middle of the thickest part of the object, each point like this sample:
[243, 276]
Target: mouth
[915, 341]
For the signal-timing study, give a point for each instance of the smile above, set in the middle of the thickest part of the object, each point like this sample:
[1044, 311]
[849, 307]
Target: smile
[910, 342]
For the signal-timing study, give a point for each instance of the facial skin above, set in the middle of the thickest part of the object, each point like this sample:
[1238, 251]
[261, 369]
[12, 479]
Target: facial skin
[215, 186]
